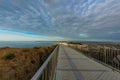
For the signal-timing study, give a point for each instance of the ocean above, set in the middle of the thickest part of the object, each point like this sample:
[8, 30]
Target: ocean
[25, 44]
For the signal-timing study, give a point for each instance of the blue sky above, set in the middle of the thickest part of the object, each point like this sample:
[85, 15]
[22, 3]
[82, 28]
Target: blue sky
[60, 20]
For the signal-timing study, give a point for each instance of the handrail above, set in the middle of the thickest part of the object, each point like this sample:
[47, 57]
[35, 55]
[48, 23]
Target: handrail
[47, 70]
[108, 56]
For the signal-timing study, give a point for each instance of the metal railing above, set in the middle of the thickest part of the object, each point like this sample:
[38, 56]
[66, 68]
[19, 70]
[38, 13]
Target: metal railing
[47, 70]
[109, 56]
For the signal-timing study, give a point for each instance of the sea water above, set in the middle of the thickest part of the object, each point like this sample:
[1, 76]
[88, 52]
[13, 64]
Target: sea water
[25, 44]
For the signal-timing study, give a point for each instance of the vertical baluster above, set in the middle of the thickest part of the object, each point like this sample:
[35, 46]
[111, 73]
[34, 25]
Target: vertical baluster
[100, 55]
[112, 56]
[45, 73]
[106, 56]
[51, 67]
[43, 76]
[109, 56]
[48, 70]
[117, 58]
[118, 51]
[115, 55]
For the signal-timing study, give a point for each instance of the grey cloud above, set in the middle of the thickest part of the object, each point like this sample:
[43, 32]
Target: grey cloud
[73, 19]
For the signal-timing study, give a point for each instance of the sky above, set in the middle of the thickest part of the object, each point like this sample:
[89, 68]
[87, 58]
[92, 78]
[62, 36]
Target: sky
[59, 20]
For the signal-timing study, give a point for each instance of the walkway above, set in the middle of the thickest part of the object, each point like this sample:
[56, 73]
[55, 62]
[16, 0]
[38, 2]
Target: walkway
[73, 65]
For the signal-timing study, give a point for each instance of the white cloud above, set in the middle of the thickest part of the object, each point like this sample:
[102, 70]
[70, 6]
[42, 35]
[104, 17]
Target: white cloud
[83, 35]
[62, 18]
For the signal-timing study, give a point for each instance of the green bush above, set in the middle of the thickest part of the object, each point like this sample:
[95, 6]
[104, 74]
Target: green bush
[9, 56]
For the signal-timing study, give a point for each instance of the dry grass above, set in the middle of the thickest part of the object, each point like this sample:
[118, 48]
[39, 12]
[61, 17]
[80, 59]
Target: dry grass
[21, 64]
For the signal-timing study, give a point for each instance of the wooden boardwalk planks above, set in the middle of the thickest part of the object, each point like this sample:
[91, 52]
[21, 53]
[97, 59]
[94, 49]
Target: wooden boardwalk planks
[73, 65]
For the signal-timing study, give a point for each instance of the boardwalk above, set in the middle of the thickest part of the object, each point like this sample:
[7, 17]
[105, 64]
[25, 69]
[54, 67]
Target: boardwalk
[72, 65]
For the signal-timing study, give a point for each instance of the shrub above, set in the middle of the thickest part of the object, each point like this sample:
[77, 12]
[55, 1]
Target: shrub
[32, 61]
[5, 47]
[25, 50]
[36, 47]
[9, 56]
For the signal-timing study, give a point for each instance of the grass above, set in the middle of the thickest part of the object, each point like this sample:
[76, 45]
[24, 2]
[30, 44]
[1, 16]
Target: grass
[9, 56]
[22, 63]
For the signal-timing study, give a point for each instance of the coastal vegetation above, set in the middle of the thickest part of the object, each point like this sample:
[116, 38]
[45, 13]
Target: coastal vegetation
[9, 56]
[22, 63]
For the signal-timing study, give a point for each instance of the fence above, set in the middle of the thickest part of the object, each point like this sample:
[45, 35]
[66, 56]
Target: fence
[109, 56]
[47, 70]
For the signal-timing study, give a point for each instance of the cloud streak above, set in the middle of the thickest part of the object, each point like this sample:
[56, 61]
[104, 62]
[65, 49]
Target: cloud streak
[67, 19]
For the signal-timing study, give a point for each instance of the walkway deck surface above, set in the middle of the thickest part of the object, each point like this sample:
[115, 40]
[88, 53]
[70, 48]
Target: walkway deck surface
[73, 65]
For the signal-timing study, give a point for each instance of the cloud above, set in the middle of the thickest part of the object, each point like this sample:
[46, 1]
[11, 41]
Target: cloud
[67, 19]
[82, 35]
